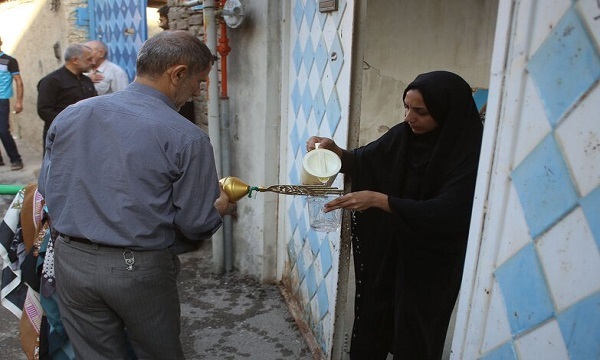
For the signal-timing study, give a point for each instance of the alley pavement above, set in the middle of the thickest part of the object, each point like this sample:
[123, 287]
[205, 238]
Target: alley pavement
[223, 316]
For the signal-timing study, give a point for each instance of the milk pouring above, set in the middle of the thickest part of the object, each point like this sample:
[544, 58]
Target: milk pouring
[320, 167]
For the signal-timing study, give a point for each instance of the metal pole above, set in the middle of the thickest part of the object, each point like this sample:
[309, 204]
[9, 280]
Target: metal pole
[214, 128]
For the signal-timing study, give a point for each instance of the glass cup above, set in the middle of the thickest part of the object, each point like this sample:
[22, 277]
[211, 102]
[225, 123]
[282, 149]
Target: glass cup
[320, 220]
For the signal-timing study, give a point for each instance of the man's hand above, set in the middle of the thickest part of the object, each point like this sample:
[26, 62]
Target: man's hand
[96, 76]
[224, 206]
[18, 107]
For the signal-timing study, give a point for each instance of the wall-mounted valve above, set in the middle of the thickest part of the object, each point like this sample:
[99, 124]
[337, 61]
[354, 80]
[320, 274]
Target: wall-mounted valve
[233, 13]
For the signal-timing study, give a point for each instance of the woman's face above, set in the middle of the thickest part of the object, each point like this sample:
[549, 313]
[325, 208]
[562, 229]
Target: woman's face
[416, 113]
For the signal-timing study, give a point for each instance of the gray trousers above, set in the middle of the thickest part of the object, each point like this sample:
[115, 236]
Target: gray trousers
[102, 303]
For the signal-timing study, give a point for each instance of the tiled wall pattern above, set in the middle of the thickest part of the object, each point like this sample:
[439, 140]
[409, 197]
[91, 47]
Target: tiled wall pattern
[121, 25]
[319, 91]
[545, 299]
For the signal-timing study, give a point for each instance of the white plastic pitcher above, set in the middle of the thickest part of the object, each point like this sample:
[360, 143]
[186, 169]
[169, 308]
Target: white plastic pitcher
[320, 167]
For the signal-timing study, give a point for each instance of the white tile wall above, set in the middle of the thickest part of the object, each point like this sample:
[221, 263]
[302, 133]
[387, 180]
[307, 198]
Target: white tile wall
[515, 233]
[497, 329]
[546, 339]
[570, 259]
[583, 129]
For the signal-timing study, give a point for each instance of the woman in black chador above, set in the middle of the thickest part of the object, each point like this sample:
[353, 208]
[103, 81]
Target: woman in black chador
[411, 199]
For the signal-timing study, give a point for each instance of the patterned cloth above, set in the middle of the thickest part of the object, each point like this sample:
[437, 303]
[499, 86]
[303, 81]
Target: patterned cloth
[13, 290]
[26, 252]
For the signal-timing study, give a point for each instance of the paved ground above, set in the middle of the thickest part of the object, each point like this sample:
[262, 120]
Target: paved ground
[223, 316]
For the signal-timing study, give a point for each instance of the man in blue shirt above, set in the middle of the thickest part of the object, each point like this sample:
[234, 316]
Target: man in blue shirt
[9, 71]
[122, 174]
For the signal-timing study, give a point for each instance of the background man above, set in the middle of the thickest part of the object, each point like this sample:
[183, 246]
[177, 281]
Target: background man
[66, 85]
[122, 174]
[9, 71]
[107, 76]
[187, 109]
[163, 17]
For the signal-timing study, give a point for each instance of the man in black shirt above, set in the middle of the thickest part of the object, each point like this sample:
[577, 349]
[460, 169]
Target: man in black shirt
[66, 85]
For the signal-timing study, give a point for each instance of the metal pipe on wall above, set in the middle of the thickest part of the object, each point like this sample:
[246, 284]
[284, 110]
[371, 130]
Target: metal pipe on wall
[224, 50]
[214, 127]
[226, 165]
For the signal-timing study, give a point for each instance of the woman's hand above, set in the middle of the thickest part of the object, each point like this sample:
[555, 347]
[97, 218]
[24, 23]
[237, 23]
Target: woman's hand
[360, 200]
[324, 143]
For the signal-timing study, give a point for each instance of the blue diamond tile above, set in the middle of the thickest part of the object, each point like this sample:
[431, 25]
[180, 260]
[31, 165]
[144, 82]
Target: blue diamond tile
[297, 56]
[299, 168]
[504, 352]
[301, 265]
[326, 257]
[315, 243]
[291, 251]
[591, 208]
[310, 8]
[308, 57]
[319, 106]
[525, 308]
[311, 281]
[292, 217]
[295, 141]
[321, 57]
[580, 328]
[115, 9]
[339, 14]
[544, 186]
[322, 18]
[322, 300]
[303, 228]
[306, 102]
[305, 135]
[336, 58]
[321, 336]
[116, 29]
[298, 14]
[334, 111]
[565, 66]
[294, 176]
[296, 98]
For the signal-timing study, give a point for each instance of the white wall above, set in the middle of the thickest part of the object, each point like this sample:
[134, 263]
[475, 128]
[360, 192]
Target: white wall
[29, 31]
[254, 74]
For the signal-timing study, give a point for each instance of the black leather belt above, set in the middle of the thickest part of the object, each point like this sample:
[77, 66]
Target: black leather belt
[89, 242]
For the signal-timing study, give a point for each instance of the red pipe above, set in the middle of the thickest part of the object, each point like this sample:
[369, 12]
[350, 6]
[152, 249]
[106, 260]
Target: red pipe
[223, 49]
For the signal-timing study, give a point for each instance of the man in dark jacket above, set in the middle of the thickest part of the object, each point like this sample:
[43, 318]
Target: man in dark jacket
[66, 85]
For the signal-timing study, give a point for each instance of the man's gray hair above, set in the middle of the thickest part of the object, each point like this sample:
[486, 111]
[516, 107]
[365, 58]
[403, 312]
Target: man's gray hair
[76, 51]
[169, 48]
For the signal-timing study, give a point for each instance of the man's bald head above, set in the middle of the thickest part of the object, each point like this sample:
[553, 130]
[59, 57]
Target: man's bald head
[100, 51]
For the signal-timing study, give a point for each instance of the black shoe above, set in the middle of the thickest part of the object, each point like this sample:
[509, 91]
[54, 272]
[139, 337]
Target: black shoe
[16, 166]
